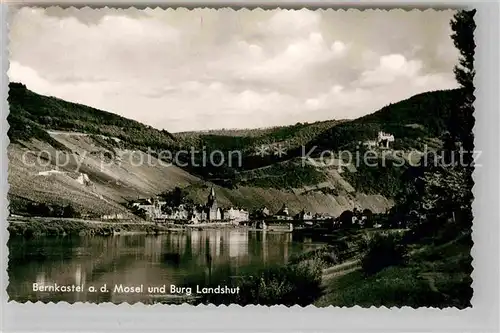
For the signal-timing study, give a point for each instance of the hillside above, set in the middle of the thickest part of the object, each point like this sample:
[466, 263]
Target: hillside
[417, 123]
[91, 181]
[245, 139]
[256, 132]
[411, 121]
[102, 149]
[32, 114]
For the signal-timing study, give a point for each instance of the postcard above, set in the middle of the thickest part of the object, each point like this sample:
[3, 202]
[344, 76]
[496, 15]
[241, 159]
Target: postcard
[220, 156]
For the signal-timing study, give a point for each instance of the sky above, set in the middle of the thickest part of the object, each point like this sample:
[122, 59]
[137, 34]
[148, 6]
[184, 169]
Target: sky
[183, 70]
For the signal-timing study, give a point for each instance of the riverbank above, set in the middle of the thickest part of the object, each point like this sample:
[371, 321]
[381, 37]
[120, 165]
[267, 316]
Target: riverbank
[434, 275]
[436, 272]
[33, 227]
[297, 282]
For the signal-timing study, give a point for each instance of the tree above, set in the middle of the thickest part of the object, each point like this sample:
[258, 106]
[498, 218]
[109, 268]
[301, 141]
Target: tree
[69, 211]
[140, 212]
[368, 214]
[38, 209]
[383, 251]
[345, 219]
[463, 27]
[438, 194]
[176, 197]
[58, 211]
[462, 120]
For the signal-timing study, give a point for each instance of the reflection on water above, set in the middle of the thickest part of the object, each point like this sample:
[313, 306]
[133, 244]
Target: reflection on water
[172, 258]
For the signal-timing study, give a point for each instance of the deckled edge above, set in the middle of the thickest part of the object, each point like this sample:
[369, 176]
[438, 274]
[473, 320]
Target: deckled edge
[473, 250]
[321, 7]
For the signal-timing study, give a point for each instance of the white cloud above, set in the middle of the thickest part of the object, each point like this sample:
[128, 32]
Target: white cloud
[27, 75]
[338, 47]
[391, 67]
[336, 89]
[292, 22]
[296, 58]
[353, 102]
[201, 69]
[313, 103]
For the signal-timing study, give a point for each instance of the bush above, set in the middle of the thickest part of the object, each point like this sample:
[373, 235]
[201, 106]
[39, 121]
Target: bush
[51, 210]
[345, 219]
[325, 256]
[289, 285]
[383, 251]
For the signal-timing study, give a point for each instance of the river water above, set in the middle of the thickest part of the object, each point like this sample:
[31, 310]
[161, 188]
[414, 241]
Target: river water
[175, 258]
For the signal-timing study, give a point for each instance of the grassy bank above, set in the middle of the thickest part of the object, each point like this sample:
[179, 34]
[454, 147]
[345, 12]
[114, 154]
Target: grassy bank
[299, 282]
[435, 276]
[337, 274]
[292, 284]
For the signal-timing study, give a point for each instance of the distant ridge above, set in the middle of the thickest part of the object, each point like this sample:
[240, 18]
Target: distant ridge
[257, 131]
[32, 114]
[39, 122]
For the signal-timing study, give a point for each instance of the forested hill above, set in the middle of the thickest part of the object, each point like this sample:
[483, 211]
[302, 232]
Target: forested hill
[294, 135]
[32, 114]
[425, 115]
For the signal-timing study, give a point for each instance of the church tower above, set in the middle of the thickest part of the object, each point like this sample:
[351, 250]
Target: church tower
[211, 197]
[212, 208]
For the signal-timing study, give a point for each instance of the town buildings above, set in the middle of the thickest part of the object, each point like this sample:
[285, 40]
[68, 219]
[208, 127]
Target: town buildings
[236, 215]
[180, 212]
[156, 209]
[283, 214]
[209, 212]
[152, 207]
[304, 216]
[114, 216]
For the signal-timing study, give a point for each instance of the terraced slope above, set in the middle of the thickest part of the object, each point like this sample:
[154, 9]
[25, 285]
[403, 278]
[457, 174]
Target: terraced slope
[104, 153]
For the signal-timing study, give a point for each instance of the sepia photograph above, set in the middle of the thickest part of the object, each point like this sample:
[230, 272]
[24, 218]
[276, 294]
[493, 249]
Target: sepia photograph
[219, 156]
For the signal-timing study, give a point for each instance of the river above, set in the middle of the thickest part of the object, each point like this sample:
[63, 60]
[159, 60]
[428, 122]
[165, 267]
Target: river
[168, 259]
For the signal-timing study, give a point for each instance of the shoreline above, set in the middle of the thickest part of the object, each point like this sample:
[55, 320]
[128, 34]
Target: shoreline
[29, 227]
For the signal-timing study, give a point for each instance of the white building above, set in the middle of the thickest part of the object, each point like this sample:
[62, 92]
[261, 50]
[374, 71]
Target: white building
[305, 216]
[115, 216]
[283, 214]
[83, 179]
[384, 139]
[236, 215]
[194, 219]
[321, 216]
[151, 207]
